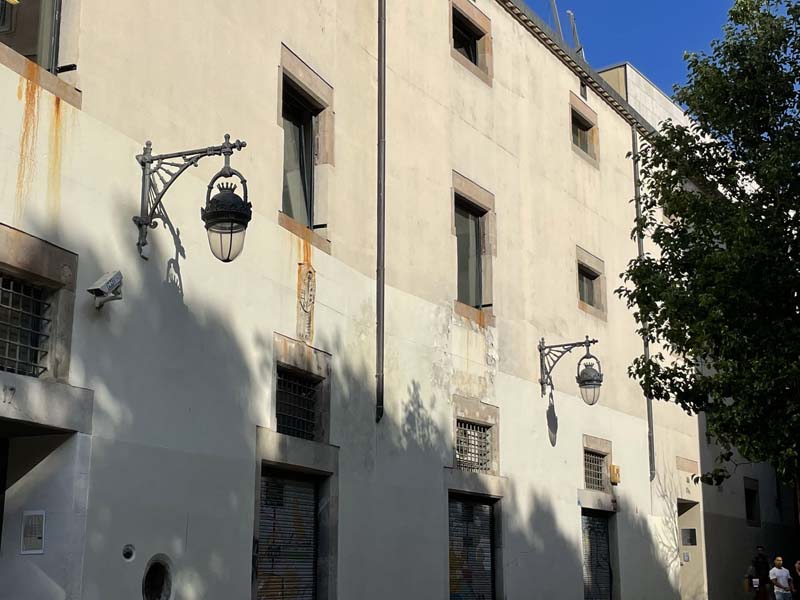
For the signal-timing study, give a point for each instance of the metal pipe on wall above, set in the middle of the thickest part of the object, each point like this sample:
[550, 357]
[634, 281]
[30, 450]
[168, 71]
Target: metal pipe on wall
[637, 191]
[381, 247]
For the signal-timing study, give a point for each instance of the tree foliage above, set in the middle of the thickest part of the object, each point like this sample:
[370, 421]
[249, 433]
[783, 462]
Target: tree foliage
[718, 295]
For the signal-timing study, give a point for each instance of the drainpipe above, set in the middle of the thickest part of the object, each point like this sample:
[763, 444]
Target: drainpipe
[381, 249]
[637, 187]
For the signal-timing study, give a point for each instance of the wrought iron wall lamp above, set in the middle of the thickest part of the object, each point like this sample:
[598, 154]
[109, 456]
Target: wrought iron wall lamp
[225, 216]
[588, 377]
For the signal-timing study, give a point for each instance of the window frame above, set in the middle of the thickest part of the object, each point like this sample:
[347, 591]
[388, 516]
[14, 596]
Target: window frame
[588, 263]
[301, 112]
[481, 202]
[602, 448]
[317, 94]
[581, 112]
[475, 215]
[473, 410]
[477, 24]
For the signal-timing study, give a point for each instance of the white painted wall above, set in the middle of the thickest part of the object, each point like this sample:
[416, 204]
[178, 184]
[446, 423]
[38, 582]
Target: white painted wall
[182, 368]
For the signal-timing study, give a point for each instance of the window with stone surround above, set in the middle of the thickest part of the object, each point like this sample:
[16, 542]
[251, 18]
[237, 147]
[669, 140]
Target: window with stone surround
[584, 131]
[471, 38]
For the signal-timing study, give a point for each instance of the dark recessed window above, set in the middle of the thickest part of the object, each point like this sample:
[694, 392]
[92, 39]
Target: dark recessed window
[31, 29]
[468, 221]
[581, 133]
[752, 504]
[24, 326]
[466, 37]
[299, 116]
[587, 284]
[584, 92]
[472, 568]
[297, 406]
[689, 537]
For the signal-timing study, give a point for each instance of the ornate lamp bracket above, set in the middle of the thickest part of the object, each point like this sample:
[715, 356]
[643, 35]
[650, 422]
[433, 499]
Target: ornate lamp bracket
[550, 355]
[160, 171]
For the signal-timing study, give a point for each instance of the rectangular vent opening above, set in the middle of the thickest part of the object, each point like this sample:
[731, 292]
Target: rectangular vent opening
[32, 532]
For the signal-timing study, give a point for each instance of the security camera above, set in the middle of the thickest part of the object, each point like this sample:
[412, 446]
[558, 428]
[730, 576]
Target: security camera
[107, 288]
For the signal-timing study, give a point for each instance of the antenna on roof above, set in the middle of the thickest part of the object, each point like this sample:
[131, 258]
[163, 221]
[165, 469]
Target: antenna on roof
[578, 48]
[554, 9]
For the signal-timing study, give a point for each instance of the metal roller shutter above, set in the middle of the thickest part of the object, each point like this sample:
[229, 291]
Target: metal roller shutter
[287, 542]
[596, 558]
[471, 559]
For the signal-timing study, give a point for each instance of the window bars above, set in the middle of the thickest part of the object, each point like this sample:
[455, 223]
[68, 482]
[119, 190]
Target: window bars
[594, 470]
[473, 447]
[24, 327]
[296, 404]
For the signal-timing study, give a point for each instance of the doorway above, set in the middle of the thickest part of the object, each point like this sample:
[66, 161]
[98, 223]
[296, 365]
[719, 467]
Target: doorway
[690, 551]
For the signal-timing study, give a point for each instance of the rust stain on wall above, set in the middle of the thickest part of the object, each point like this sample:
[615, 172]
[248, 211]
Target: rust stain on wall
[54, 161]
[27, 138]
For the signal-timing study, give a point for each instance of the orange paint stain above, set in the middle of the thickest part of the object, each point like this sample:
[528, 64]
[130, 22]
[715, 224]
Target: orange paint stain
[27, 139]
[55, 139]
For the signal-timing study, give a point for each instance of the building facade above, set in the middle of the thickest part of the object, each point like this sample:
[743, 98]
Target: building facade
[213, 433]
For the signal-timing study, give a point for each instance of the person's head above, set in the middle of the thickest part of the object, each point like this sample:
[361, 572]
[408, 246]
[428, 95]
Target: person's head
[760, 550]
[778, 561]
[797, 566]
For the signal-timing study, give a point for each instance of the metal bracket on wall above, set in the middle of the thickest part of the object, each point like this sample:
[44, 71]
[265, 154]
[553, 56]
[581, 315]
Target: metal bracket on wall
[550, 355]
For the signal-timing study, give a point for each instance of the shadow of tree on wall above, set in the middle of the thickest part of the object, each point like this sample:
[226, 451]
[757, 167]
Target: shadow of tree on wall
[178, 398]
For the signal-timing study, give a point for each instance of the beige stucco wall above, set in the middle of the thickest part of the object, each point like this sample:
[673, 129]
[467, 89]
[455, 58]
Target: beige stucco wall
[182, 368]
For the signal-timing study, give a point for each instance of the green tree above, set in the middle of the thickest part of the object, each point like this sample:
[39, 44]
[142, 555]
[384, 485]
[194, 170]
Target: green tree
[719, 293]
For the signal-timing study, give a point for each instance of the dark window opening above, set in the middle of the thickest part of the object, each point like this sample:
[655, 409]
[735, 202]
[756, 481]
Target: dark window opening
[689, 537]
[468, 221]
[24, 327]
[157, 582]
[471, 534]
[584, 92]
[752, 505]
[473, 447]
[598, 577]
[299, 117]
[581, 133]
[466, 37]
[587, 282]
[31, 28]
[594, 465]
[296, 407]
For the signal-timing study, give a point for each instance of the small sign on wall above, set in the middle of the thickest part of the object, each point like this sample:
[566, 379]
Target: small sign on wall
[32, 532]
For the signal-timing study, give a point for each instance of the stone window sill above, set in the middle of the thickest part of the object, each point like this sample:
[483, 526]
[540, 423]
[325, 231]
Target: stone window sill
[593, 310]
[586, 156]
[483, 318]
[39, 76]
[304, 232]
[482, 74]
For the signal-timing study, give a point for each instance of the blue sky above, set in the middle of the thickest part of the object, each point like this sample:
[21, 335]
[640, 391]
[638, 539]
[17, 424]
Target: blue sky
[650, 34]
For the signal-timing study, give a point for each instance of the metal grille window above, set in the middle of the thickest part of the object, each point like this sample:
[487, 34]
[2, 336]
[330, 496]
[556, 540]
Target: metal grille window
[594, 465]
[473, 447]
[24, 327]
[471, 549]
[297, 403]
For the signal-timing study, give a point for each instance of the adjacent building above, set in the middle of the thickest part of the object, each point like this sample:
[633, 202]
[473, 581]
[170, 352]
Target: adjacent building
[212, 434]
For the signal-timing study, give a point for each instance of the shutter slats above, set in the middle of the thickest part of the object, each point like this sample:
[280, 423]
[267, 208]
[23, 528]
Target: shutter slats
[596, 558]
[287, 543]
[471, 559]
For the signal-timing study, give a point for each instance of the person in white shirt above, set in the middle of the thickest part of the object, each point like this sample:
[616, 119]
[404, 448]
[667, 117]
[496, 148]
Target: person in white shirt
[782, 580]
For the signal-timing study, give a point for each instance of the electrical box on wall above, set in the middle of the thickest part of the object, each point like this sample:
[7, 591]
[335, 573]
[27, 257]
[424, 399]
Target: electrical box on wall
[614, 474]
[32, 532]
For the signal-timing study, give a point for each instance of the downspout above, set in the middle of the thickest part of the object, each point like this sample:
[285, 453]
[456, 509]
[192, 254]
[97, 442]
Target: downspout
[637, 190]
[381, 249]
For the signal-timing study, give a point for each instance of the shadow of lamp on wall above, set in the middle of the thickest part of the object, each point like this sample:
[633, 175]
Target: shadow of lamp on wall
[588, 377]
[225, 215]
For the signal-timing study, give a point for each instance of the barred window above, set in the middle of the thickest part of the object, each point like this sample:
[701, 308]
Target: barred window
[594, 465]
[473, 447]
[297, 403]
[24, 326]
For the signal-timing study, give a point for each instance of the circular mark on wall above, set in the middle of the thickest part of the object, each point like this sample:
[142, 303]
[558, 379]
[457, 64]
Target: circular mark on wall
[129, 552]
[157, 580]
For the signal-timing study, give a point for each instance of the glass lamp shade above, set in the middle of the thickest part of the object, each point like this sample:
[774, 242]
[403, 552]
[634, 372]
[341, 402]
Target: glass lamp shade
[589, 381]
[226, 240]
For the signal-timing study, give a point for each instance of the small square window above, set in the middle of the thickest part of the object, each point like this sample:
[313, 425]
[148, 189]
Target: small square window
[587, 282]
[473, 446]
[24, 326]
[466, 37]
[689, 537]
[469, 235]
[594, 470]
[582, 134]
[297, 408]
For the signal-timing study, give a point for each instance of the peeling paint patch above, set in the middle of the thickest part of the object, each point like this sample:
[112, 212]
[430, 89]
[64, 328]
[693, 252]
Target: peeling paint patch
[27, 138]
[54, 162]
